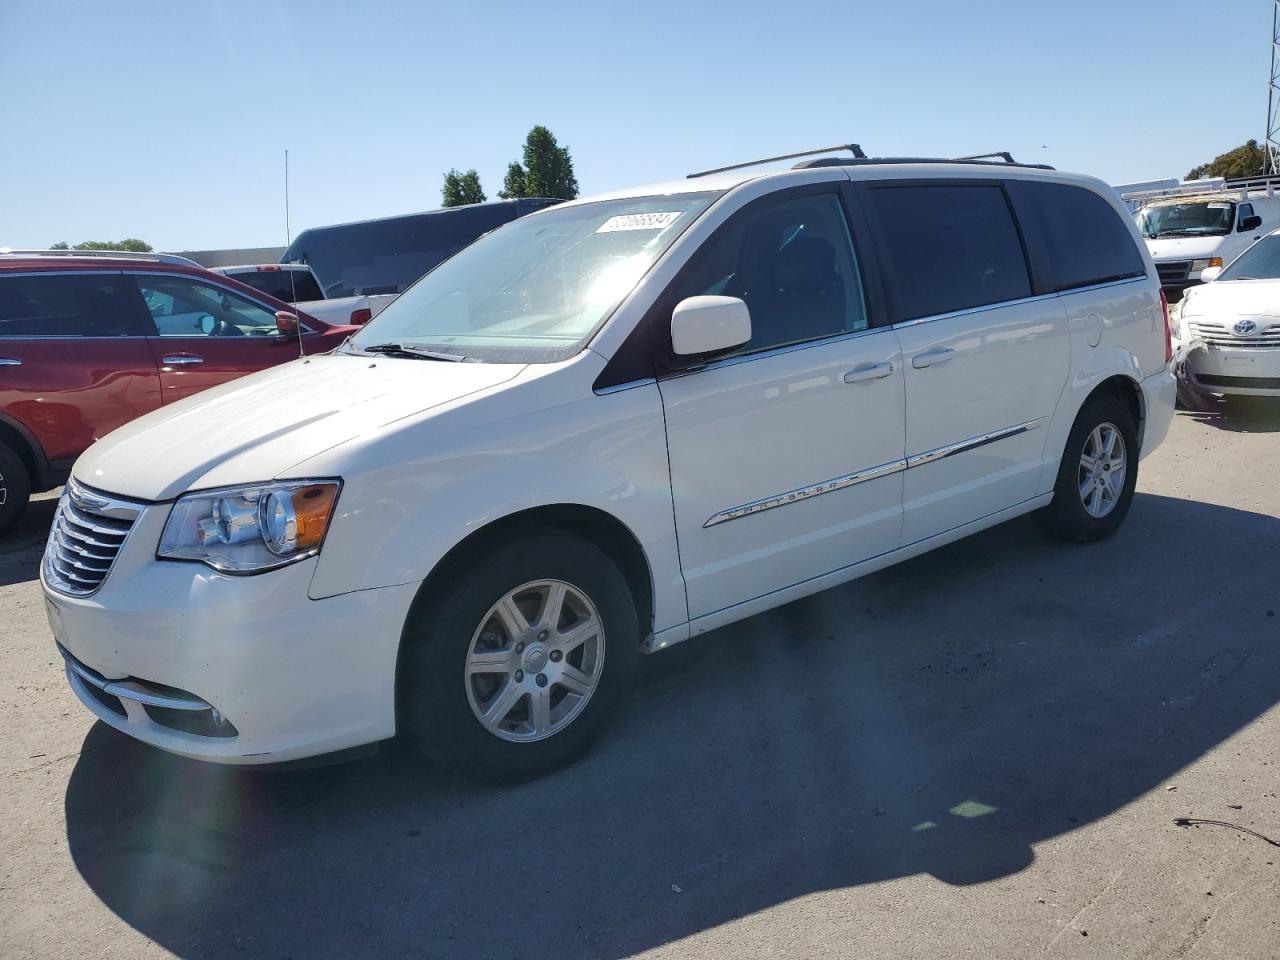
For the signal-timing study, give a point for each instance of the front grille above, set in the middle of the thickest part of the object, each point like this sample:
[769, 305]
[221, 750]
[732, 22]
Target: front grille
[1173, 271]
[88, 531]
[1219, 335]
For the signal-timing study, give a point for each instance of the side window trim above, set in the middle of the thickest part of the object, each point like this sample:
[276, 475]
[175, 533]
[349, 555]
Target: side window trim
[886, 261]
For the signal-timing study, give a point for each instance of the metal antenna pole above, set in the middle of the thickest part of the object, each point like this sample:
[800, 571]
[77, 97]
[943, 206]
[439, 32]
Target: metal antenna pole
[1271, 158]
[288, 241]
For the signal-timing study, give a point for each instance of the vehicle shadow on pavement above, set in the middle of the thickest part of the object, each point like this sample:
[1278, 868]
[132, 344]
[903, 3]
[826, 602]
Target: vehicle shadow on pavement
[21, 547]
[941, 716]
[1242, 414]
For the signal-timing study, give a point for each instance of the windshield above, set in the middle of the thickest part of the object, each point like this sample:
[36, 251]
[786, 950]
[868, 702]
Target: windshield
[534, 290]
[1259, 262]
[1201, 218]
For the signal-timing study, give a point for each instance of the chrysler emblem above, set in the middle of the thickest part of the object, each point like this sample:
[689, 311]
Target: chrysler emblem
[1245, 327]
[87, 501]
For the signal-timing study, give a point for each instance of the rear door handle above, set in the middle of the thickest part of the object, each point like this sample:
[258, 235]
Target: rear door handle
[931, 358]
[10, 362]
[869, 371]
[182, 360]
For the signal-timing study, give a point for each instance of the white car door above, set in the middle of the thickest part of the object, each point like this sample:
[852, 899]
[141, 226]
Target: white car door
[985, 358]
[785, 456]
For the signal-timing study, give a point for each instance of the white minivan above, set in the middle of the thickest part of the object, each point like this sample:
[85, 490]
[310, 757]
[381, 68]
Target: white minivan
[600, 430]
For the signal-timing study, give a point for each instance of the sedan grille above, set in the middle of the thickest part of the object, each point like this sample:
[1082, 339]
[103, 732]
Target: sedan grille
[1220, 335]
[1173, 271]
[88, 531]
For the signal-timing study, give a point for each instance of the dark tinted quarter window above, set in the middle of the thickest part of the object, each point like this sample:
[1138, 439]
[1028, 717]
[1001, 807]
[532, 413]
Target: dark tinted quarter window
[792, 262]
[67, 305]
[291, 286]
[1086, 240]
[948, 247]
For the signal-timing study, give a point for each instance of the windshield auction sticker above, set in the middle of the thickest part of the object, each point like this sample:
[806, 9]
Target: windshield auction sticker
[638, 221]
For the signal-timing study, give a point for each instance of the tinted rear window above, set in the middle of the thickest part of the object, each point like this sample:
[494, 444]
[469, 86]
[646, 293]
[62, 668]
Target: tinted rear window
[291, 286]
[387, 256]
[67, 305]
[1085, 238]
[948, 247]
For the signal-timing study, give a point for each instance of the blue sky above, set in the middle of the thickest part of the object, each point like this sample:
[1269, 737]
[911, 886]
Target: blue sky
[168, 121]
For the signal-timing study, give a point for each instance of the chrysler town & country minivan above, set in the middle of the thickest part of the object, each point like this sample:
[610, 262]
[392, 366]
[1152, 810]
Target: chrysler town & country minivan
[602, 429]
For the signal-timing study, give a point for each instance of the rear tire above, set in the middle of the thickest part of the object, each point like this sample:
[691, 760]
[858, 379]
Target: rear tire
[517, 661]
[1089, 501]
[15, 489]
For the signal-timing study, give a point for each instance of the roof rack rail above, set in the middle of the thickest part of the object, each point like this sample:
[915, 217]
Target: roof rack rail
[1004, 155]
[851, 147]
[980, 160]
[1206, 187]
[170, 258]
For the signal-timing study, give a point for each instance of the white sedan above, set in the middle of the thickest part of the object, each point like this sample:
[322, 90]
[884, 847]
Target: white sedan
[1228, 330]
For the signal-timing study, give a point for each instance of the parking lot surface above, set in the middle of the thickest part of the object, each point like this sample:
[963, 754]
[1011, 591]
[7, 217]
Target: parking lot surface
[978, 753]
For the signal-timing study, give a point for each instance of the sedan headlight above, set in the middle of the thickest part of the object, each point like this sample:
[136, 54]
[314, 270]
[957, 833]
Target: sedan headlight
[250, 529]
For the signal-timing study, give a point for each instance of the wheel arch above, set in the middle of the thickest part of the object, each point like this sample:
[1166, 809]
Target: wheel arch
[597, 526]
[22, 442]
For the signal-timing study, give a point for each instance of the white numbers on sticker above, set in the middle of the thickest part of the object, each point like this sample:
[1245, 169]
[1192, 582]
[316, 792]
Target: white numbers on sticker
[638, 221]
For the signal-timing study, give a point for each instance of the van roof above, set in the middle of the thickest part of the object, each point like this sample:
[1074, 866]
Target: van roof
[442, 211]
[868, 169]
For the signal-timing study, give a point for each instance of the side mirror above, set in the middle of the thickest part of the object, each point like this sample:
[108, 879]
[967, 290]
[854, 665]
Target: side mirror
[1209, 274]
[1249, 223]
[208, 325]
[286, 323]
[702, 325]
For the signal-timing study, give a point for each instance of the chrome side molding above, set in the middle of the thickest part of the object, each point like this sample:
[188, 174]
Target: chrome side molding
[871, 473]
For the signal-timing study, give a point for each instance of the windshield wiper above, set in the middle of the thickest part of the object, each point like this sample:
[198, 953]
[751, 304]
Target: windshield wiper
[412, 352]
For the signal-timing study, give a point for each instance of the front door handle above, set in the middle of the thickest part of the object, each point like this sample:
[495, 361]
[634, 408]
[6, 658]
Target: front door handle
[10, 362]
[931, 358]
[182, 360]
[869, 371]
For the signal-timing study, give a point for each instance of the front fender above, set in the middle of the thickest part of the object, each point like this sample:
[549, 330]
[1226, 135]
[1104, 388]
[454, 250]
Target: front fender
[410, 497]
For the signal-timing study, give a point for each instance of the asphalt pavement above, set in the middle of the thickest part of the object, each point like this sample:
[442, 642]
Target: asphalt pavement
[978, 753]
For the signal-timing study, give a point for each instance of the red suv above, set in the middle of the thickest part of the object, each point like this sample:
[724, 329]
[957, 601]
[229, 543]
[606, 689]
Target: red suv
[88, 342]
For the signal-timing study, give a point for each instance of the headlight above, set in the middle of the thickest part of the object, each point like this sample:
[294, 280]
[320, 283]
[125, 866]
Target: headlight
[1198, 265]
[250, 529]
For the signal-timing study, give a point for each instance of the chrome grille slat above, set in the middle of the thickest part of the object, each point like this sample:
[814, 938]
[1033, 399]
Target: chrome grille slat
[1216, 335]
[88, 532]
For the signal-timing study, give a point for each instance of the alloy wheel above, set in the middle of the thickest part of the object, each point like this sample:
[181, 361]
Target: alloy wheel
[535, 660]
[1103, 465]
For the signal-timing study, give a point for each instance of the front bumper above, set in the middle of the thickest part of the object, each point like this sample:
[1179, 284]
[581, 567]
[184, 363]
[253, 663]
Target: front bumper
[1248, 371]
[231, 669]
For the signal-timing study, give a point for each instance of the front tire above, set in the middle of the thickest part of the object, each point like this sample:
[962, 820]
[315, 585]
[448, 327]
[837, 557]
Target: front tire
[516, 661]
[1097, 476]
[15, 489]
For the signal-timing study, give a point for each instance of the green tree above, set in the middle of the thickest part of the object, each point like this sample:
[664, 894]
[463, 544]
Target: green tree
[461, 189]
[513, 183]
[1246, 161]
[130, 245]
[547, 170]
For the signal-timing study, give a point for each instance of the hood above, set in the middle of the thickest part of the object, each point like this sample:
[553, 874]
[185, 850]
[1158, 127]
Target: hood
[1230, 299]
[257, 427]
[1184, 248]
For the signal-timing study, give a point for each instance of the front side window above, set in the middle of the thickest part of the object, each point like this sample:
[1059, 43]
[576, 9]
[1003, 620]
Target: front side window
[792, 262]
[1260, 262]
[66, 305]
[949, 247]
[188, 308]
[1196, 218]
[536, 289]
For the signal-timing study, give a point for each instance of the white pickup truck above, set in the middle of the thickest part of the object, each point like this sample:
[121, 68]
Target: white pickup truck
[295, 283]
